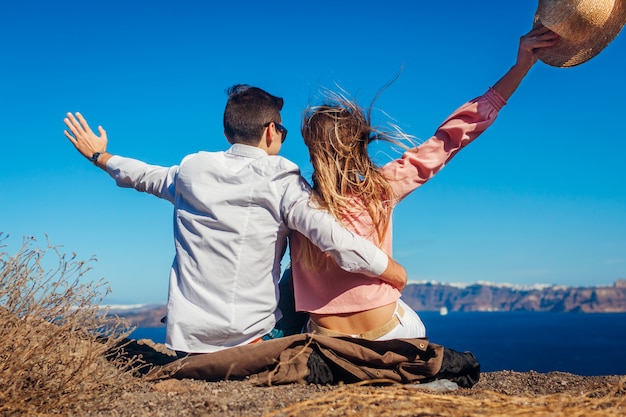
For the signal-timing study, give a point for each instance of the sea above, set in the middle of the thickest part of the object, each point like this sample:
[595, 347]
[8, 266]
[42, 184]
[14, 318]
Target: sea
[578, 343]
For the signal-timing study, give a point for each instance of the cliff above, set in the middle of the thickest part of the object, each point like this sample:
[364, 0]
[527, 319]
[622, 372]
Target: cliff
[492, 297]
[141, 315]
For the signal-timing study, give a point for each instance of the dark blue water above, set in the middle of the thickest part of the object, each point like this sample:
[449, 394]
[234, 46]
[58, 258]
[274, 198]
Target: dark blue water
[157, 334]
[583, 344]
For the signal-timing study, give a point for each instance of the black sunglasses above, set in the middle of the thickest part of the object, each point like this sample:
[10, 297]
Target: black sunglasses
[282, 129]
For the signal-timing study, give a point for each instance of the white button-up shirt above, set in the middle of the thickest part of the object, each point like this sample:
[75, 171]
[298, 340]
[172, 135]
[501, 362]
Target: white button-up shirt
[233, 211]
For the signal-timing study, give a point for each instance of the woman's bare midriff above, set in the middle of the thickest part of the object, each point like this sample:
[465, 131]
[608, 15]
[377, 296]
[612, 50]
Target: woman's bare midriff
[356, 323]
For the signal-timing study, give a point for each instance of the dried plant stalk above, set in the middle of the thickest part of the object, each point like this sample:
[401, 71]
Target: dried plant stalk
[58, 348]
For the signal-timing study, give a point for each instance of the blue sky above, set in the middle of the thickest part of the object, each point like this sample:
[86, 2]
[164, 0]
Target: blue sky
[539, 198]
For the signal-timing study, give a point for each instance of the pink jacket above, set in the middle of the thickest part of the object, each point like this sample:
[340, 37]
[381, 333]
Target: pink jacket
[332, 290]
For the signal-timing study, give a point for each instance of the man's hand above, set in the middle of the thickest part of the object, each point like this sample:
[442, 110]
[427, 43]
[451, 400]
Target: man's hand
[395, 275]
[83, 138]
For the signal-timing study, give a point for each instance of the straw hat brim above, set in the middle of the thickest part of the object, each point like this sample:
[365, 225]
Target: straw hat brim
[568, 53]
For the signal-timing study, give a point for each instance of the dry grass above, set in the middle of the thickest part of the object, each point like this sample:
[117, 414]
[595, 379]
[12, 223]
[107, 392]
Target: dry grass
[58, 352]
[396, 401]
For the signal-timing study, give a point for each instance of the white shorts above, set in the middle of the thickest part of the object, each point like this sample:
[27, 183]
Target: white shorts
[410, 325]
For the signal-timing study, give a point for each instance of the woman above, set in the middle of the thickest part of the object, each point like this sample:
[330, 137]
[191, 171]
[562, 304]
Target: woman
[362, 196]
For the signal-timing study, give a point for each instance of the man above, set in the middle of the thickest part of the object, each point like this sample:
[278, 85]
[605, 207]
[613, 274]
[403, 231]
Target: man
[233, 211]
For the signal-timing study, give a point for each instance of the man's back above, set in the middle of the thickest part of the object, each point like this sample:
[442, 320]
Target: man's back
[230, 235]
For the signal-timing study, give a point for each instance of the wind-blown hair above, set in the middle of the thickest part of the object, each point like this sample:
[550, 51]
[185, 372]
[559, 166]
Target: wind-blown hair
[247, 110]
[346, 182]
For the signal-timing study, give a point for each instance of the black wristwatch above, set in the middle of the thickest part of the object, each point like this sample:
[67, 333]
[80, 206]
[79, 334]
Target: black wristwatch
[95, 156]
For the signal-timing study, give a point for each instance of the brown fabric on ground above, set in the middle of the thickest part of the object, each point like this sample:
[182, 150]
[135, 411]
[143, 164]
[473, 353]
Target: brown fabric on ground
[284, 361]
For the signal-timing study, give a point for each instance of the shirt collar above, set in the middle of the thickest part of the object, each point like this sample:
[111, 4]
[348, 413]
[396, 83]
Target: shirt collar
[246, 151]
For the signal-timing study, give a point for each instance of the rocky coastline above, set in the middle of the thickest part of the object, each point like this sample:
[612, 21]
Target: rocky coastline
[432, 296]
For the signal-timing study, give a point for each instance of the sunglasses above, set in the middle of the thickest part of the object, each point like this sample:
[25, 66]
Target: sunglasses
[280, 128]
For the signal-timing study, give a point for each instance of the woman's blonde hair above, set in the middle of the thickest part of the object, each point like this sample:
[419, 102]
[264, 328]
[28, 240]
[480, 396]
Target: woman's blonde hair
[346, 182]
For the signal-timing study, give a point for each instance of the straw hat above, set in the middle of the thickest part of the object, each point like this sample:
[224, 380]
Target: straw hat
[585, 27]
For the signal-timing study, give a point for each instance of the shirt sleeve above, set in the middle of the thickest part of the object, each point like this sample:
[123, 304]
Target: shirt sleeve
[421, 163]
[152, 179]
[350, 251]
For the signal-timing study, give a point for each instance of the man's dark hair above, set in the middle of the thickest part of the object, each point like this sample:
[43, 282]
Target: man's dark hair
[248, 109]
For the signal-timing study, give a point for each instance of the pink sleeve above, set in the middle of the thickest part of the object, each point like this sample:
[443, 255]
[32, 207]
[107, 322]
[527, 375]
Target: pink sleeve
[420, 164]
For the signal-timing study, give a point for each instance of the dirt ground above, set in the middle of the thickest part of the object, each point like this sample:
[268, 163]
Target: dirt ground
[497, 393]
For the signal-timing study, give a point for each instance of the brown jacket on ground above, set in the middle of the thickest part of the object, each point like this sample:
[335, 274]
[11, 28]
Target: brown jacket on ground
[297, 358]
